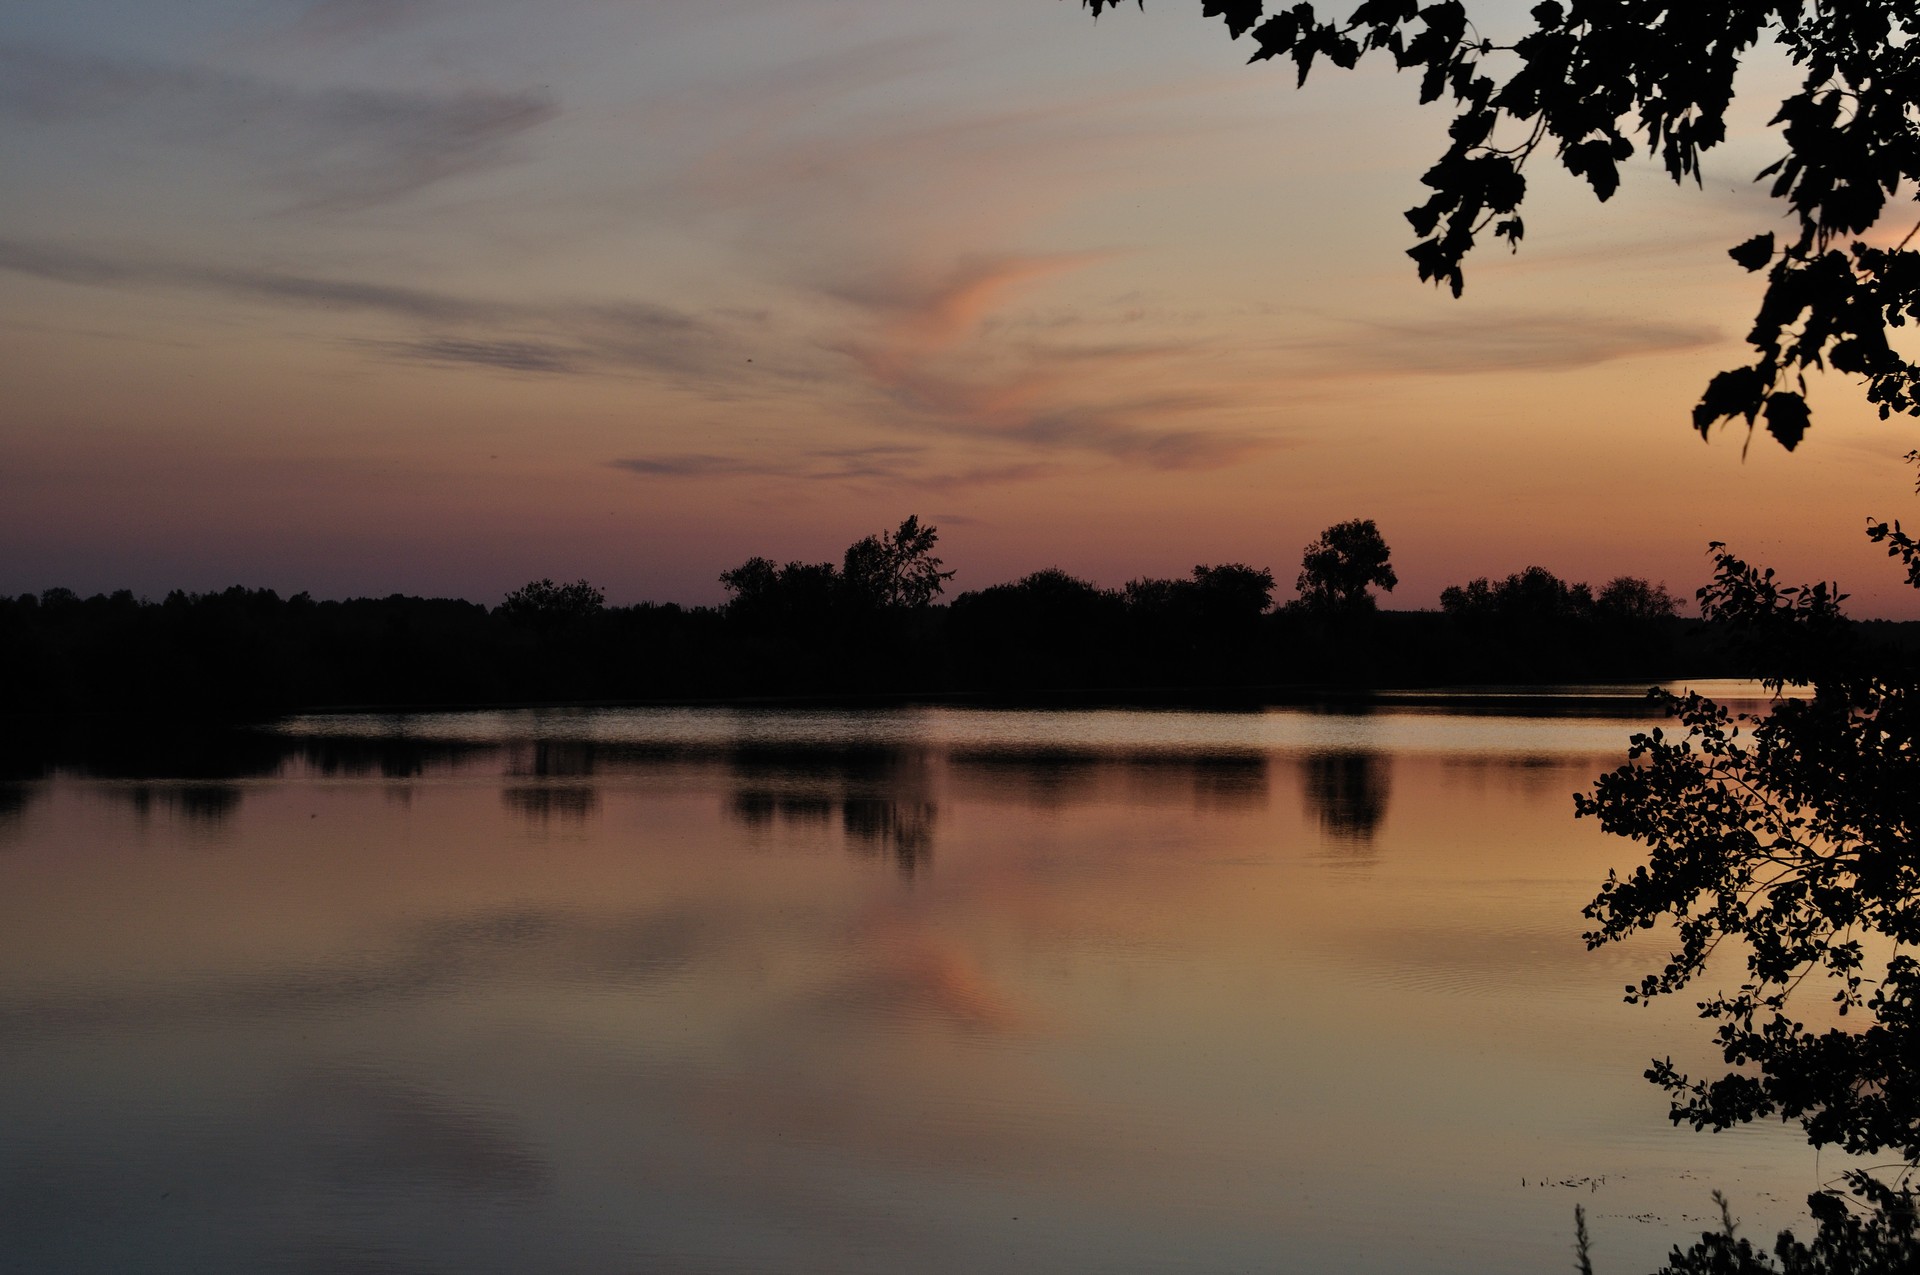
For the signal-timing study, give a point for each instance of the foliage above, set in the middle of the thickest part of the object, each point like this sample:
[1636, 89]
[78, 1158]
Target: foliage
[1592, 79]
[787, 630]
[1229, 593]
[797, 591]
[1873, 1232]
[1337, 569]
[1048, 630]
[1634, 600]
[1233, 591]
[1534, 595]
[544, 602]
[896, 570]
[1792, 835]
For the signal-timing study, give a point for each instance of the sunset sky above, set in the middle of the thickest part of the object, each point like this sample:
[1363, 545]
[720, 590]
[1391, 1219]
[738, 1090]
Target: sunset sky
[438, 296]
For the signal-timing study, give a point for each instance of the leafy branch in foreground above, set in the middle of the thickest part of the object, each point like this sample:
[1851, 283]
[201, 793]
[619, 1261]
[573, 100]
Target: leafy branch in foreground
[1595, 79]
[1792, 835]
[1873, 1231]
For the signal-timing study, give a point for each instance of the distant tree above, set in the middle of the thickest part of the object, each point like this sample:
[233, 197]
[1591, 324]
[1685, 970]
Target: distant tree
[799, 591]
[751, 583]
[1337, 569]
[1533, 596]
[1472, 598]
[895, 570]
[1233, 590]
[1634, 600]
[1049, 629]
[1230, 591]
[1589, 78]
[546, 603]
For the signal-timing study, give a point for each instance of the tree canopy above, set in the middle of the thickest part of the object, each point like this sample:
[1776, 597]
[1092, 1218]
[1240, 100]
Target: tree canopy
[896, 569]
[544, 602]
[1592, 81]
[1338, 568]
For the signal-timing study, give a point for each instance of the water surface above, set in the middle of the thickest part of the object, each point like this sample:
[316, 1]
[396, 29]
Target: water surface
[919, 989]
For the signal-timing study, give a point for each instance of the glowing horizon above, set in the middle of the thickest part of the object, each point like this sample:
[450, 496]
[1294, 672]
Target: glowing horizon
[371, 296]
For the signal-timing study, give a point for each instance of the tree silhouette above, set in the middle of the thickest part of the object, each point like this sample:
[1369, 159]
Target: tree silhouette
[1591, 79]
[1233, 592]
[544, 602]
[1635, 600]
[1792, 834]
[1337, 569]
[1533, 596]
[896, 570]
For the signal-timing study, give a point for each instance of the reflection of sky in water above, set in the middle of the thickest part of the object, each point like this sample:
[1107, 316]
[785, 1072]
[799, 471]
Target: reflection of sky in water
[941, 990]
[1428, 727]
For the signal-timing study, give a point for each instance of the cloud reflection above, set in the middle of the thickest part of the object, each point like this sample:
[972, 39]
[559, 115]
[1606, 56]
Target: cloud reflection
[439, 955]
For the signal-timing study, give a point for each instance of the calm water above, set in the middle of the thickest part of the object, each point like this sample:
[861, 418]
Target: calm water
[915, 990]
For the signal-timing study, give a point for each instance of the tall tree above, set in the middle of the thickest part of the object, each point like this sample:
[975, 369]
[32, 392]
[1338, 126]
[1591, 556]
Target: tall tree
[1337, 569]
[896, 570]
[1590, 80]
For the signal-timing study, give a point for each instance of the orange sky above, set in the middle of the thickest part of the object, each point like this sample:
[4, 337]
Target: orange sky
[359, 296]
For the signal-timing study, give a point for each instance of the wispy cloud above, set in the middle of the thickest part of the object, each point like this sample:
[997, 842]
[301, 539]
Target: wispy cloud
[72, 265]
[925, 361]
[553, 337]
[937, 348]
[510, 356]
[892, 465]
[929, 314]
[1506, 342]
[694, 465]
[325, 148]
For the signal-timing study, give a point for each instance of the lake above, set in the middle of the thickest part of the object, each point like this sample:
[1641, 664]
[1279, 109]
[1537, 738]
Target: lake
[918, 989]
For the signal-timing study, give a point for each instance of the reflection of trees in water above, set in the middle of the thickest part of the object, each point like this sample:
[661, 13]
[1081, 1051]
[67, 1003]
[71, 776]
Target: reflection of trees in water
[882, 797]
[14, 800]
[551, 759]
[209, 804]
[879, 826]
[1347, 792]
[1056, 778]
[758, 809]
[389, 756]
[545, 803]
[1229, 780]
[544, 761]
[1047, 778]
[1524, 773]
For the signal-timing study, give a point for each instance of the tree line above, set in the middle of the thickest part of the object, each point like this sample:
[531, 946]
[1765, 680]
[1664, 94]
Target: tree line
[875, 623]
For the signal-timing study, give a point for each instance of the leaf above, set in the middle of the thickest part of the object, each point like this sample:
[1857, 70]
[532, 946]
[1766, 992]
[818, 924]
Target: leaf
[1595, 160]
[1240, 14]
[1787, 418]
[1754, 253]
[1739, 392]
